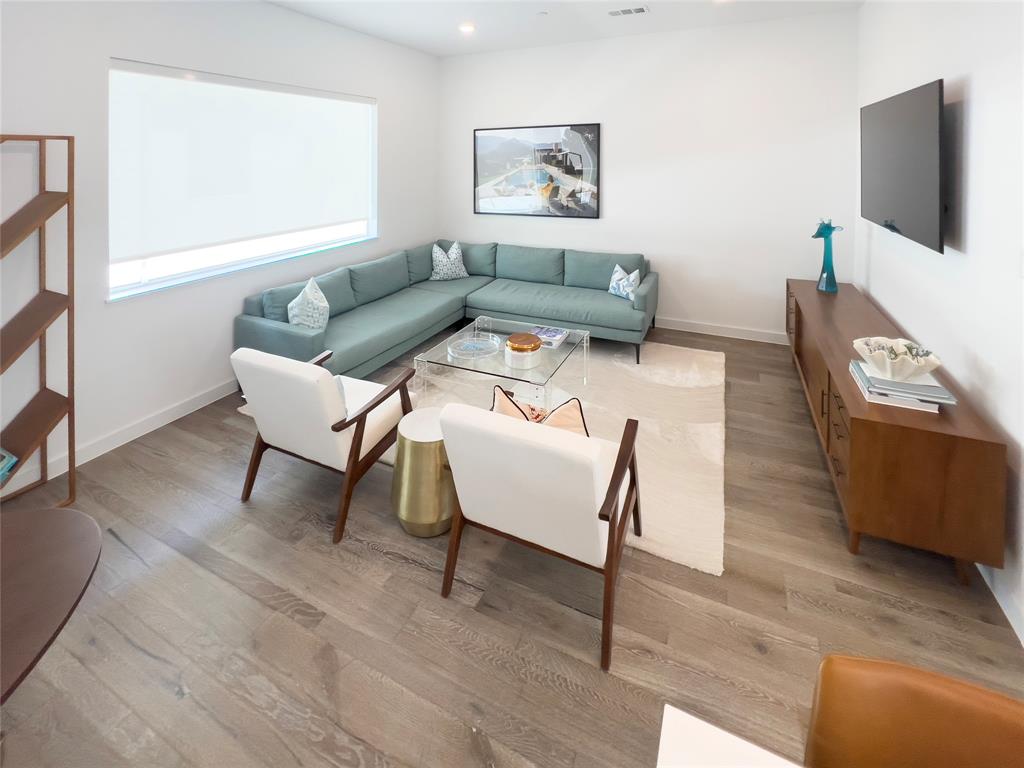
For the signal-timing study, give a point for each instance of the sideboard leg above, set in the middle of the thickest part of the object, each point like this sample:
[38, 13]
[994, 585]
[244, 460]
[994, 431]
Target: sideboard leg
[963, 571]
[853, 543]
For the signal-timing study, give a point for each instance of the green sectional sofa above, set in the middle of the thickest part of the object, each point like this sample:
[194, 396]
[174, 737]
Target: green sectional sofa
[381, 309]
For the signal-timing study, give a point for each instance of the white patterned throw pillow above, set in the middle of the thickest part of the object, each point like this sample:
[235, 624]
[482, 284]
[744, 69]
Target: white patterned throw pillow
[623, 285]
[448, 266]
[310, 308]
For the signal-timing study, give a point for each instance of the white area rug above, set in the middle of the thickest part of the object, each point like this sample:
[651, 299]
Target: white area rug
[678, 397]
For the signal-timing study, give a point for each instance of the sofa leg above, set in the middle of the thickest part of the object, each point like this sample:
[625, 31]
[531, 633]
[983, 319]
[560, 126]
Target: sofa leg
[637, 353]
[654, 321]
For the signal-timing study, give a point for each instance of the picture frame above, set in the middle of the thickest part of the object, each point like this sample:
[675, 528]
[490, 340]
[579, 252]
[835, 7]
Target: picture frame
[539, 170]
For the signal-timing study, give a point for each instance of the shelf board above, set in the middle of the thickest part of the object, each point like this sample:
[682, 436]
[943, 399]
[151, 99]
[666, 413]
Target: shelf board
[29, 218]
[22, 330]
[29, 428]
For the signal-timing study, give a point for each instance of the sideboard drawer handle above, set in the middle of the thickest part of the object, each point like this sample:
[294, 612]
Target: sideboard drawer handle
[836, 465]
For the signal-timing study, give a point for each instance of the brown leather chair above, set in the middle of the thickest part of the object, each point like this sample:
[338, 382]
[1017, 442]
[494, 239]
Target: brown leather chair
[879, 714]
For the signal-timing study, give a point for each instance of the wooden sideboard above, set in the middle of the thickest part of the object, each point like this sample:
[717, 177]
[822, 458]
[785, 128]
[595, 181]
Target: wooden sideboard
[936, 481]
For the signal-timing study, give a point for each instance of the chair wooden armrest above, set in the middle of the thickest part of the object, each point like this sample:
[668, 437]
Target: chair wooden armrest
[627, 447]
[322, 358]
[400, 384]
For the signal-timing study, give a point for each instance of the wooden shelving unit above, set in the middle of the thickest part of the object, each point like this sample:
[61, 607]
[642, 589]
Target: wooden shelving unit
[28, 431]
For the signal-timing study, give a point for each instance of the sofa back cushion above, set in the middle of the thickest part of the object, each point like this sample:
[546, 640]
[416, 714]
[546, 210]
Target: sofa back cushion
[479, 258]
[336, 286]
[376, 279]
[420, 263]
[276, 300]
[253, 305]
[535, 265]
[590, 269]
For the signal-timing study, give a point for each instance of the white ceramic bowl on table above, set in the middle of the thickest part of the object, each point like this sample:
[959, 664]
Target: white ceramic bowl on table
[895, 359]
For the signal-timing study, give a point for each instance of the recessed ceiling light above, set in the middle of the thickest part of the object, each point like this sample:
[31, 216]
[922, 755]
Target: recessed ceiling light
[467, 28]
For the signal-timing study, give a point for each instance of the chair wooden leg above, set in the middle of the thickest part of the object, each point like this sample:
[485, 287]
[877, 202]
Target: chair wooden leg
[258, 449]
[636, 503]
[454, 541]
[608, 615]
[352, 475]
[346, 498]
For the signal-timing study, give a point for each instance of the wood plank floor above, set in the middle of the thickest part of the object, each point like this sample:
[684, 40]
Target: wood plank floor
[223, 634]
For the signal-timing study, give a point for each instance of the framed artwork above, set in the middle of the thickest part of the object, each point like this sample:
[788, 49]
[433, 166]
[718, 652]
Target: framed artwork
[540, 170]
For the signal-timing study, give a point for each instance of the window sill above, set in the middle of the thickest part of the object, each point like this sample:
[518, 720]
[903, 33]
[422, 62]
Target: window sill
[134, 291]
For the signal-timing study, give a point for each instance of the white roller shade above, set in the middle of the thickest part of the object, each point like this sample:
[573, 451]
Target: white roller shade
[199, 160]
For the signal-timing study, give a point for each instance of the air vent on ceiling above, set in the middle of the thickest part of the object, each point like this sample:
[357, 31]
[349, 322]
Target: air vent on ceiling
[630, 11]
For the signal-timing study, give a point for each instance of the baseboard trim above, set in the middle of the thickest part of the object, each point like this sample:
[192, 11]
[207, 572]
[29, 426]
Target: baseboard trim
[58, 465]
[730, 331]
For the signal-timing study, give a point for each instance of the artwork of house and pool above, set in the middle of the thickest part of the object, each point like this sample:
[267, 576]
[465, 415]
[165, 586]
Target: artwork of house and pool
[547, 170]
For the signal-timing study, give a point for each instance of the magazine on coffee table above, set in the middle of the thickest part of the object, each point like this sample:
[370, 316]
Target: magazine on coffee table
[550, 337]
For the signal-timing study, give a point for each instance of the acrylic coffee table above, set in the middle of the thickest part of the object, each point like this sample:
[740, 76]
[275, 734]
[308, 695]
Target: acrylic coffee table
[567, 365]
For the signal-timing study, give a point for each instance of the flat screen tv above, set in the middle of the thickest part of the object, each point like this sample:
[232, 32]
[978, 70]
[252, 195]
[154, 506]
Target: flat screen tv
[901, 164]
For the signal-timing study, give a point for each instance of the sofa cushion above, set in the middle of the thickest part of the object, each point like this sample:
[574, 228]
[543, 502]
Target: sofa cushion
[461, 287]
[624, 284]
[590, 269]
[276, 300]
[373, 328]
[535, 265]
[253, 305]
[448, 266]
[375, 279]
[310, 308]
[478, 257]
[337, 287]
[419, 262]
[557, 303]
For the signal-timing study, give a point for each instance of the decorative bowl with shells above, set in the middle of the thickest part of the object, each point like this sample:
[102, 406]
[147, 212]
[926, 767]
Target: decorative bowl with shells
[895, 359]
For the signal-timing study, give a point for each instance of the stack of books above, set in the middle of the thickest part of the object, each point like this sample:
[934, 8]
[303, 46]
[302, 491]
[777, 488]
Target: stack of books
[7, 462]
[550, 337]
[921, 393]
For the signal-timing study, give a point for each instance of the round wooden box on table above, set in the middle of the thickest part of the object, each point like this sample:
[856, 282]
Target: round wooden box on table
[422, 490]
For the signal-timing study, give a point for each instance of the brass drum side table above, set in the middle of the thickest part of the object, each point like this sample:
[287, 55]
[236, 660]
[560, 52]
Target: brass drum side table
[422, 490]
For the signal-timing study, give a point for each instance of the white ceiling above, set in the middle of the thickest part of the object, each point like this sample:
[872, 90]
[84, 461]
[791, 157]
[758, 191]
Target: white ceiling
[432, 27]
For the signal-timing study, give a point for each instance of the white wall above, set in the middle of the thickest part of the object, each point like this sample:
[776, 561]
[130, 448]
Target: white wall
[144, 361]
[964, 303]
[720, 150]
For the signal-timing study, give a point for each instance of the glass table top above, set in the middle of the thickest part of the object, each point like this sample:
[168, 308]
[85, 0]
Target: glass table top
[550, 359]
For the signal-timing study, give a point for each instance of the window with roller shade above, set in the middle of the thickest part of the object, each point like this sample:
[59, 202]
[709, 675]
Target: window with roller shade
[211, 174]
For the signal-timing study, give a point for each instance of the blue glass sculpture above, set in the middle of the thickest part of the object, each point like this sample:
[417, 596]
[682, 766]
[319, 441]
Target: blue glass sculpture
[827, 281]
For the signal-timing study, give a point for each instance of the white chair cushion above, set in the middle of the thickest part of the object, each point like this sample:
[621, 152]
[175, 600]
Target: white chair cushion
[535, 482]
[294, 405]
[380, 420]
